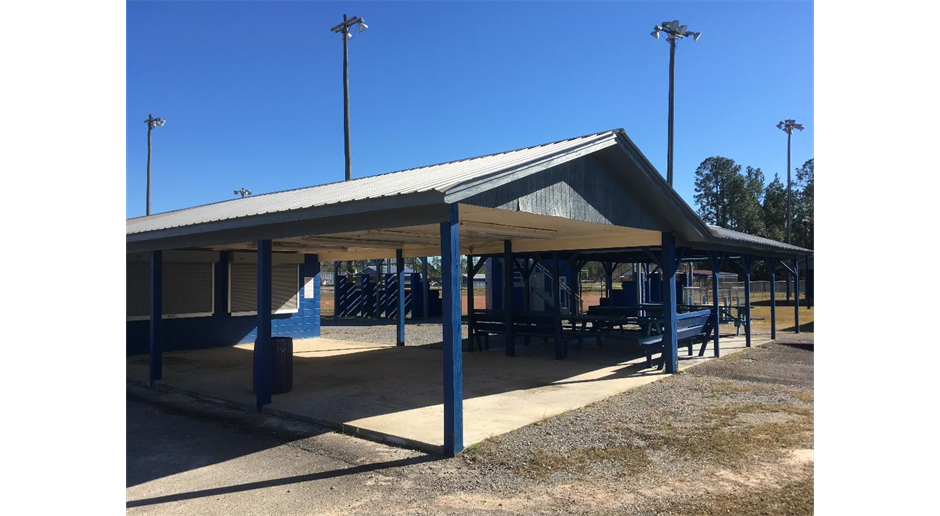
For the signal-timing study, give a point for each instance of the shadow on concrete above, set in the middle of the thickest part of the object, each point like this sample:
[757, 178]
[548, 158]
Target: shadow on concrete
[380, 380]
[368, 381]
[310, 477]
[166, 439]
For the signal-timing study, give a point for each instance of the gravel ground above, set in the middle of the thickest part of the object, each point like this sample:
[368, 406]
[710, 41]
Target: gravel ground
[720, 437]
[731, 436]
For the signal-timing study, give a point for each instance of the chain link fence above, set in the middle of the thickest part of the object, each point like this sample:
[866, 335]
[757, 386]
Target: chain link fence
[731, 293]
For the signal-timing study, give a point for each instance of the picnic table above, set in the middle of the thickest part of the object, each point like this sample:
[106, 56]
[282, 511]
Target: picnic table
[607, 324]
[524, 324]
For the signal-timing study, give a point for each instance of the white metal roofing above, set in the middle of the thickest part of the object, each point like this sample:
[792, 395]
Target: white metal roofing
[440, 178]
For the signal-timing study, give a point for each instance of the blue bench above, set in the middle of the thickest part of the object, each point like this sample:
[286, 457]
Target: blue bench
[692, 327]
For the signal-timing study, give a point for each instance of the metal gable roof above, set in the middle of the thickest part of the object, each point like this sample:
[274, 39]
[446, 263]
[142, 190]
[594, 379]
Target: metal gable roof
[450, 182]
[440, 178]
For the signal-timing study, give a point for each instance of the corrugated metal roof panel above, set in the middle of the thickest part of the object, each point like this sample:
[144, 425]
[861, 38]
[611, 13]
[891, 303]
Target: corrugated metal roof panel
[440, 178]
[737, 236]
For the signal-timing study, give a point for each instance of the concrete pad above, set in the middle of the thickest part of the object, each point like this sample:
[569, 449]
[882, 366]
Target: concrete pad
[395, 393]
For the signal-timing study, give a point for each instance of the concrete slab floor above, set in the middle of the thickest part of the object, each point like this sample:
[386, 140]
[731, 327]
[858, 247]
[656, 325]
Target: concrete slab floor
[395, 393]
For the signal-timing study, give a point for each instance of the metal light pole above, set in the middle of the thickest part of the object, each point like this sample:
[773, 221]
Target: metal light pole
[151, 123]
[674, 32]
[343, 28]
[788, 126]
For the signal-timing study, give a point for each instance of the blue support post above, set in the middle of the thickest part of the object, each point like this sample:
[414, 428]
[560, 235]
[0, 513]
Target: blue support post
[452, 345]
[263, 351]
[608, 281]
[336, 293]
[670, 324]
[527, 291]
[641, 283]
[772, 265]
[556, 307]
[365, 309]
[647, 284]
[400, 281]
[379, 281]
[796, 294]
[715, 259]
[470, 307]
[787, 282]
[747, 261]
[426, 286]
[507, 297]
[156, 316]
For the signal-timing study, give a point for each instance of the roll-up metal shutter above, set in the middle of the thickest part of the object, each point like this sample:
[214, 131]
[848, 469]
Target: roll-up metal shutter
[187, 290]
[243, 288]
[138, 290]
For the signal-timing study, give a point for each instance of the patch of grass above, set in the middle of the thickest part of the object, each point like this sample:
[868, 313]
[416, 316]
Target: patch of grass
[802, 395]
[722, 439]
[630, 460]
[471, 453]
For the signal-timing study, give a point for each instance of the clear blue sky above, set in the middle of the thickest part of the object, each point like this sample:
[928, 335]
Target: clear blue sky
[252, 91]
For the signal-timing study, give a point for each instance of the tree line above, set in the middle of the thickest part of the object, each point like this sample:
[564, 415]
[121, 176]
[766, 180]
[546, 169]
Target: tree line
[740, 201]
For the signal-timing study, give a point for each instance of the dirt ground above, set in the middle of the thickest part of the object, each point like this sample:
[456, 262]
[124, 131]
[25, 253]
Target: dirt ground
[731, 436]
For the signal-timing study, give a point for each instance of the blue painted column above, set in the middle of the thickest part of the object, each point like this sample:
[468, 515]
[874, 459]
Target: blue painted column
[670, 325]
[336, 293]
[379, 283]
[609, 279]
[772, 265]
[556, 307]
[400, 281]
[156, 316]
[470, 307]
[507, 297]
[648, 283]
[579, 298]
[364, 309]
[452, 345]
[426, 286]
[787, 283]
[747, 260]
[796, 294]
[715, 259]
[263, 351]
[641, 284]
